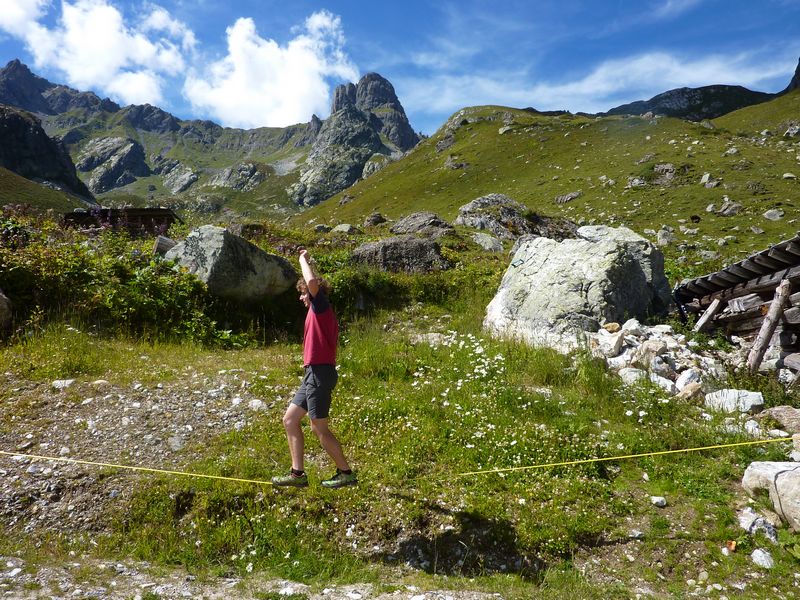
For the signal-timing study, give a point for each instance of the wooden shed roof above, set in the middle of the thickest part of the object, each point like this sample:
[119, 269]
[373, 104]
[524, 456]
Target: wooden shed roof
[775, 263]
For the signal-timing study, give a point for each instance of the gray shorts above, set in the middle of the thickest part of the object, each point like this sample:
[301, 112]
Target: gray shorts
[314, 395]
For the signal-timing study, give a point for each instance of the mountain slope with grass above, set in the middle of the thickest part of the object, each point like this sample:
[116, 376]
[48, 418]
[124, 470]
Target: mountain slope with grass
[642, 173]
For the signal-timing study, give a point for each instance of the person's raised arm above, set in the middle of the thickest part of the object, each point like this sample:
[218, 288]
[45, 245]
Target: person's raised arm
[308, 273]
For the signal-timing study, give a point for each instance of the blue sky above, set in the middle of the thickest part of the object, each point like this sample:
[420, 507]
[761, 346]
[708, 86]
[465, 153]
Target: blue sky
[273, 63]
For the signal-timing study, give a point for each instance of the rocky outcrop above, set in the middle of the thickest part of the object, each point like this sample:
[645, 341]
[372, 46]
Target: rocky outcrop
[795, 82]
[337, 158]
[179, 179]
[243, 177]
[403, 253]
[554, 292]
[375, 95]
[27, 150]
[695, 104]
[363, 117]
[114, 162]
[232, 267]
[496, 213]
[424, 223]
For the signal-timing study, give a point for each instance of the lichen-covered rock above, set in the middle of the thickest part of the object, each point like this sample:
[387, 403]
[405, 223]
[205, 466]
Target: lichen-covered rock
[496, 213]
[424, 222]
[553, 292]
[782, 481]
[403, 253]
[232, 267]
[487, 242]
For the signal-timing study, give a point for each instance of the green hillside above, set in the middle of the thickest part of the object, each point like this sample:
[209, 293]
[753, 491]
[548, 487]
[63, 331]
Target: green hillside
[535, 158]
[18, 190]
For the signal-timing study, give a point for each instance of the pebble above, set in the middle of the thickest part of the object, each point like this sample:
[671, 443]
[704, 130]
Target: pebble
[658, 501]
[762, 558]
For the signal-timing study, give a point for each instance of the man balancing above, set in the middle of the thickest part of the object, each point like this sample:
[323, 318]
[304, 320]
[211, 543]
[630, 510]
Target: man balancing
[320, 335]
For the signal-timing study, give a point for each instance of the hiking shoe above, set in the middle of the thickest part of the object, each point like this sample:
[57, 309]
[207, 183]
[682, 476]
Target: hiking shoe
[340, 480]
[290, 480]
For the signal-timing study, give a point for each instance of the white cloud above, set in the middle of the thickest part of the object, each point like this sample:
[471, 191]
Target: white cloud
[261, 83]
[673, 8]
[609, 84]
[95, 49]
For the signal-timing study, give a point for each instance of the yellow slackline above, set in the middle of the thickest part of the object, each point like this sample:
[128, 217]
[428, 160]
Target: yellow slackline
[132, 468]
[610, 458]
[465, 474]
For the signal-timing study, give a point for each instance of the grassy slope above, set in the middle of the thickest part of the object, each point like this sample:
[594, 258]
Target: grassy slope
[18, 190]
[544, 157]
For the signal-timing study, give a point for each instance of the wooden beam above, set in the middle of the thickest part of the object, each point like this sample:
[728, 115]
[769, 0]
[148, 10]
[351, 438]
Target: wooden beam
[755, 286]
[703, 322]
[769, 263]
[768, 327]
[759, 310]
[784, 257]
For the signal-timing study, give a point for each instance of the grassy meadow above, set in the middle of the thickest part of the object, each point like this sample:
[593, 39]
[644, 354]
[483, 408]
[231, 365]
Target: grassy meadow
[414, 416]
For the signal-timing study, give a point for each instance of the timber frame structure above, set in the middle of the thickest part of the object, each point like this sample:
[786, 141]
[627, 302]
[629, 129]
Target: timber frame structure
[756, 299]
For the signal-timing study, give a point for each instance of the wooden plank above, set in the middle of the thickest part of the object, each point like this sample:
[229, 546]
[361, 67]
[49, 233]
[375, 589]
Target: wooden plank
[742, 272]
[769, 263]
[756, 355]
[737, 305]
[752, 265]
[793, 248]
[718, 281]
[754, 286]
[781, 255]
[749, 306]
[705, 320]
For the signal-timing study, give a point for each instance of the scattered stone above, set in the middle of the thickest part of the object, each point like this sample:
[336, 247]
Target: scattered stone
[487, 242]
[690, 391]
[346, 229]
[789, 176]
[729, 208]
[62, 384]
[658, 501]
[729, 400]
[752, 522]
[563, 199]
[762, 558]
[374, 219]
[774, 214]
[424, 223]
[321, 228]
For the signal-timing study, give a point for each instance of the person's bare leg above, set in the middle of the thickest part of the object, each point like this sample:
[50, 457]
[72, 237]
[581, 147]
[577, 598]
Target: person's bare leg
[294, 434]
[329, 443]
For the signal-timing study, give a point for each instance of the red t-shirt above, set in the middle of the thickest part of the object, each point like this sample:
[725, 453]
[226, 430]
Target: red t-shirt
[321, 332]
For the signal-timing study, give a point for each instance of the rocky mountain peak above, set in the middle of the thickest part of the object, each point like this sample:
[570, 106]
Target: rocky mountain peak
[343, 95]
[20, 87]
[28, 151]
[374, 91]
[795, 82]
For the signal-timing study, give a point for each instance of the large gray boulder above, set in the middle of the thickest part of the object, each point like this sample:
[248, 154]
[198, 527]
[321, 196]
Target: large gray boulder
[232, 267]
[402, 253]
[782, 481]
[244, 177]
[425, 223]
[553, 292]
[649, 257]
[496, 213]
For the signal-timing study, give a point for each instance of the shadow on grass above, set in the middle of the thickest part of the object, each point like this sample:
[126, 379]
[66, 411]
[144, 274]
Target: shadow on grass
[473, 546]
